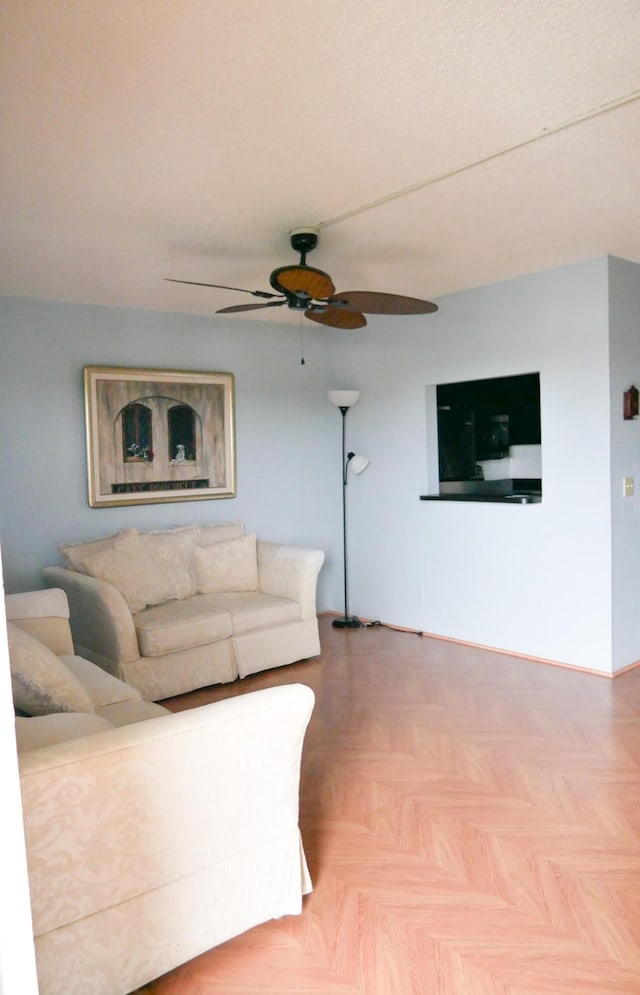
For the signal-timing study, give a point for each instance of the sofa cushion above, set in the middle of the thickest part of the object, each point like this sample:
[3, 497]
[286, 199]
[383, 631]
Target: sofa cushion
[172, 554]
[227, 566]
[51, 632]
[220, 532]
[126, 713]
[124, 561]
[181, 625]
[251, 610]
[41, 683]
[103, 688]
[44, 730]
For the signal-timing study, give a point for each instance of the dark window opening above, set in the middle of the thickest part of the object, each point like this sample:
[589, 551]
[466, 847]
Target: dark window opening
[182, 433]
[489, 437]
[137, 435]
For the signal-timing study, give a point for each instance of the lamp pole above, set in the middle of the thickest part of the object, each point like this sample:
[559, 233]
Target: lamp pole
[347, 621]
[344, 399]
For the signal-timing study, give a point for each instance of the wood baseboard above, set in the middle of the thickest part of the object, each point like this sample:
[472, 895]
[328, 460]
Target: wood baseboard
[493, 649]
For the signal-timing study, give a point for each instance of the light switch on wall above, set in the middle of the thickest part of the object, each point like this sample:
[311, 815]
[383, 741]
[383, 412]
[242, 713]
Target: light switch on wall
[628, 486]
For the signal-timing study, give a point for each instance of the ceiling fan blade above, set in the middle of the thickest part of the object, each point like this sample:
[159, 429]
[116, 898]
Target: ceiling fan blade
[236, 308]
[373, 303]
[221, 286]
[337, 318]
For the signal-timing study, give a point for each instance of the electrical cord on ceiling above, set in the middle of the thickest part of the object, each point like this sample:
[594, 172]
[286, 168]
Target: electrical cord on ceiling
[611, 105]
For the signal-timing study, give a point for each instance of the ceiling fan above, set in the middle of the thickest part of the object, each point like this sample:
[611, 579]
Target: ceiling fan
[303, 288]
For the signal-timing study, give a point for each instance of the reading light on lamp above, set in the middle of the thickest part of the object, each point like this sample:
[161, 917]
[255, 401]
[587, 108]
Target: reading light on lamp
[345, 399]
[358, 463]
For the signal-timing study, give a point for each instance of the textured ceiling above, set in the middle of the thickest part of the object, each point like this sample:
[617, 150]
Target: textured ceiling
[438, 146]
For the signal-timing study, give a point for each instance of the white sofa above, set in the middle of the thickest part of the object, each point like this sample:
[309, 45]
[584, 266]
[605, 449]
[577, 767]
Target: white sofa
[172, 611]
[152, 841]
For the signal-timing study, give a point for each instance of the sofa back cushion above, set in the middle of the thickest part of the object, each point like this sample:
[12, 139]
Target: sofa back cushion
[102, 687]
[172, 554]
[148, 568]
[220, 532]
[124, 561]
[41, 683]
[227, 566]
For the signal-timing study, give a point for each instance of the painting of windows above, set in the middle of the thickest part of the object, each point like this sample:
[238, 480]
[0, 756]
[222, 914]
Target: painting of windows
[158, 435]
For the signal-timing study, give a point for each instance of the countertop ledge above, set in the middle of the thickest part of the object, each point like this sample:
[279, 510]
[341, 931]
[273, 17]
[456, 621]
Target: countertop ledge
[486, 498]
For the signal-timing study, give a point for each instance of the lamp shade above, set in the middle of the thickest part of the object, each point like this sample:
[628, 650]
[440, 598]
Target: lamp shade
[344, 398]
[359, 463]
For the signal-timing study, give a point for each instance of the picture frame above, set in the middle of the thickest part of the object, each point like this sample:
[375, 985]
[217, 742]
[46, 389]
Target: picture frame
[158, 435]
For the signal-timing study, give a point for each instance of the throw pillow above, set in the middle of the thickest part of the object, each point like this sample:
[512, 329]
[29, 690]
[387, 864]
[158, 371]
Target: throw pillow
[41, 683]
[124, 561]
[74, 553]
[172, 554]
[227, 566]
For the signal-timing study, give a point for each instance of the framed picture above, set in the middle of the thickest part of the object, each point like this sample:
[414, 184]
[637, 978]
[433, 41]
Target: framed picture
[158, 435]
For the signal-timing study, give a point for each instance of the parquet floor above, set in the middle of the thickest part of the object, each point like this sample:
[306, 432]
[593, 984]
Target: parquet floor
[472, 825]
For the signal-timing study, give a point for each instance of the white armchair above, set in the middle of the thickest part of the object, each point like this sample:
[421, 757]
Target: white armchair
[151, 837]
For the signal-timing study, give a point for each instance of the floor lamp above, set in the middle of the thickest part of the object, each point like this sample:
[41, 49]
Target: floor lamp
[345, 399]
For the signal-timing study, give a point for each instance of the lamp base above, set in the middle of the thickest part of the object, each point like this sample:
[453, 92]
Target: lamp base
[347, 622]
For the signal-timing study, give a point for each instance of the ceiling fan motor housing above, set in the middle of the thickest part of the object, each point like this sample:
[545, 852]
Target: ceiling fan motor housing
[302, 284]
[303, 240]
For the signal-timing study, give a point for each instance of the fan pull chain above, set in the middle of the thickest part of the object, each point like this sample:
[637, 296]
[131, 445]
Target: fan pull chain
[301, 341]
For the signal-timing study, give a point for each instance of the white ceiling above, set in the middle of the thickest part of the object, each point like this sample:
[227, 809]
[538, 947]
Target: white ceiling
[437, 145]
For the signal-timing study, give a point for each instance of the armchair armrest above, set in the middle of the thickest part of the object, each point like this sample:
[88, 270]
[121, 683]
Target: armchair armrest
[44, 615]
[290, 572]
[142, 808]
[101, 623]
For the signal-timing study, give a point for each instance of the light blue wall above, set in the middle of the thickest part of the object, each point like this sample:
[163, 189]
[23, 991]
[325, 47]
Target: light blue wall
[534, 579]
[285, 445]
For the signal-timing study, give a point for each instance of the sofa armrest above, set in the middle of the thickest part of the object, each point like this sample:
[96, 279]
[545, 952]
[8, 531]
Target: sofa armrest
[290, 572]
[127, 811]
[101, 623]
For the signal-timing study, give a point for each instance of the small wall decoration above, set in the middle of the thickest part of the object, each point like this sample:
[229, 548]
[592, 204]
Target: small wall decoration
[158, 435]
[630, 403]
